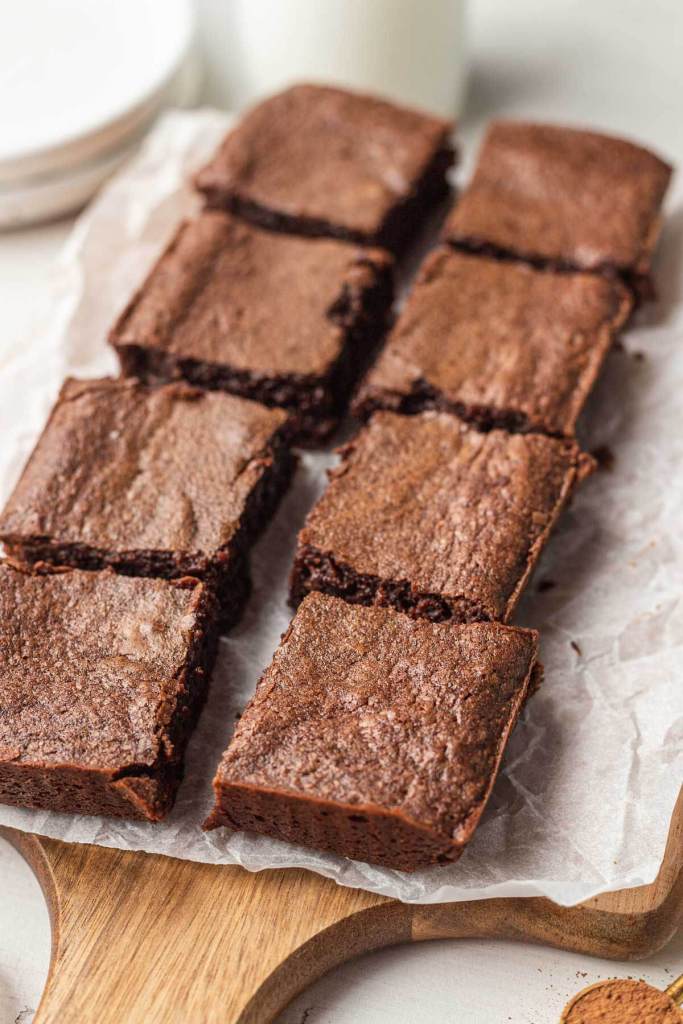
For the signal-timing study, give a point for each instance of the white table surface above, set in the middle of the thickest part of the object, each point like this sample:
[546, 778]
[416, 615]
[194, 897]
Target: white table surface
[616, 65]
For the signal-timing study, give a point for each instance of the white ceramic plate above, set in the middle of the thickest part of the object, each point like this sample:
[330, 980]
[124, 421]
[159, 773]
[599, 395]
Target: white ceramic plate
[79, 77]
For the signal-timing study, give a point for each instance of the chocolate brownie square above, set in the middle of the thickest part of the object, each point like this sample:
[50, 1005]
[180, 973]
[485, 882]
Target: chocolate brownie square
[285, 321]
[501, 344]
[169, 481]
[434, 518]
[564, 197]
[375, 736]
[101, 680]
[315, 160]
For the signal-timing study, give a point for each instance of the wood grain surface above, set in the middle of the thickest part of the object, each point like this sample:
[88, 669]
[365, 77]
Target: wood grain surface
[141, 939]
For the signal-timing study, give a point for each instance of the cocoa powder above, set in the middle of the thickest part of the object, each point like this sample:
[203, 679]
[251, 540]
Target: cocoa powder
[622, 1001]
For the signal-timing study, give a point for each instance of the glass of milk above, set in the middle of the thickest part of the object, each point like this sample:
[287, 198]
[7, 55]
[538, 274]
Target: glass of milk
[412, 51]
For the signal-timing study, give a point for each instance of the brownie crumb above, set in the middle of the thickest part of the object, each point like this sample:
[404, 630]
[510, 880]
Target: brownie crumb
[604, 456]
[638, 356]
[573, 644]
[544, 585]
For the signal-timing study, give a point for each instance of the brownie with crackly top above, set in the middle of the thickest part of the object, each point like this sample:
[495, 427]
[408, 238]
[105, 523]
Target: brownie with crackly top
[289, 322]
[376, 736]
[163, 481]
[435, 518]
[501, 344]
[321, 161]
[101, 680]
[563, 197]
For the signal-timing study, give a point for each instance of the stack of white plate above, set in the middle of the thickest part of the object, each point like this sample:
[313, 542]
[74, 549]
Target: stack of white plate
[81, 81]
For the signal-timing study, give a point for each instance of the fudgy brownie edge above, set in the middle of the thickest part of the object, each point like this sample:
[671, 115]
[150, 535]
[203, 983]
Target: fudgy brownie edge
[320, 161]
[500, 345]
[400, 226]
[315, 570]
[435, 519]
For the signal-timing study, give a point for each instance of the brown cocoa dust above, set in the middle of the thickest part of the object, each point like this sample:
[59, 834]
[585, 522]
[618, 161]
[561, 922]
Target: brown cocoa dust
[623, 1001]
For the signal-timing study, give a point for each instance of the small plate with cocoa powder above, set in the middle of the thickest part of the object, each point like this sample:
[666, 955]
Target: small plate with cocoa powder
[625, 1001]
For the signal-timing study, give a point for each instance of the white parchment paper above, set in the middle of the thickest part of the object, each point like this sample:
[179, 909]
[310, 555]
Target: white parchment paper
[594, 768]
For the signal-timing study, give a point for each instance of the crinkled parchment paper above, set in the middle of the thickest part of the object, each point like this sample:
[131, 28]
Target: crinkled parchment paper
[594, 768]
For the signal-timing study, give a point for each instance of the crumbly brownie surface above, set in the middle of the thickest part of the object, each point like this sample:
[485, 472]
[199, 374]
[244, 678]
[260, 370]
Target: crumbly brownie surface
[499, 343]
[166, 481]
[374, 735]
[572, 198]
[286, 321]
[435, 518]
[322, 161]
[101, 679]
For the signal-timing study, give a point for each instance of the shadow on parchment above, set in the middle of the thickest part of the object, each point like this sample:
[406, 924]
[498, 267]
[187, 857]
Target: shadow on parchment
[667, 272]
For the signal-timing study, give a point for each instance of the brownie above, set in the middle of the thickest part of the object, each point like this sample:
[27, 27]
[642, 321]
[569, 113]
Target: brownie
[168, 481]
[101, 680]
[285, 321]
[375, 736]
[501, 344]
[563, 197]
[434, 518]
[315, 160]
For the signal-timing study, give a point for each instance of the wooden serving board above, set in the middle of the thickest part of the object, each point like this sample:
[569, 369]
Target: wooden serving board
[145, 939]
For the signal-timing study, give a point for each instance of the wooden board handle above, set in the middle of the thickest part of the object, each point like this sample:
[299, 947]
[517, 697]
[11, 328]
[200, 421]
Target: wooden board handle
[146, 939]
[151, 940]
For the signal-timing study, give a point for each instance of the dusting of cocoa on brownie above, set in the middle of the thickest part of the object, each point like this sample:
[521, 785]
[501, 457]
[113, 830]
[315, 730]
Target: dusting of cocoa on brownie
[622, 1001]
